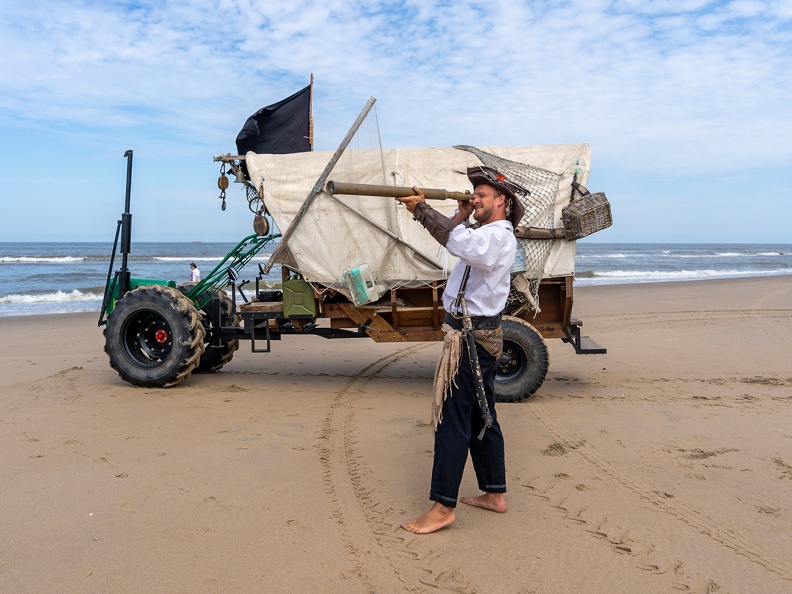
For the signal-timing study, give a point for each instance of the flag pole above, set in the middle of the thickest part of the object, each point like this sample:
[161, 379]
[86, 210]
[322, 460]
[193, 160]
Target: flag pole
[310, 115]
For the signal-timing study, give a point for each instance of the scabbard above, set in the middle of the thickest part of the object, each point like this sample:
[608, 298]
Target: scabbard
[475, 366]
[478, 382]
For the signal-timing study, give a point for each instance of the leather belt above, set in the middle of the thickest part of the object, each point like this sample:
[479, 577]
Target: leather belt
[479, 322]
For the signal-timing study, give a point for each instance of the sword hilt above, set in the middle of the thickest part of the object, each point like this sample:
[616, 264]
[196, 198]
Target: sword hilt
[487, 424]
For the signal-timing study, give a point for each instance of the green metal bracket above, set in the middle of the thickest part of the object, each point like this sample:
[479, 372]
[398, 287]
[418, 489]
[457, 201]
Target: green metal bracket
[201, 294]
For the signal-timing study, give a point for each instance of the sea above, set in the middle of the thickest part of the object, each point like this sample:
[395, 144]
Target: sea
[58, 278]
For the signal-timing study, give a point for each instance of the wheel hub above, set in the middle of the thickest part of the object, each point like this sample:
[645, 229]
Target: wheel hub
[511, 363]
[154, 338]
[149, 338]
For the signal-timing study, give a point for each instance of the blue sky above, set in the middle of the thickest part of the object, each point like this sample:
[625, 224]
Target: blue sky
[687, 104]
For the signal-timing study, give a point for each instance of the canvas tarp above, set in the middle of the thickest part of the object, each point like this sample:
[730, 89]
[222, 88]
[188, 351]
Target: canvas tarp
[337, 233]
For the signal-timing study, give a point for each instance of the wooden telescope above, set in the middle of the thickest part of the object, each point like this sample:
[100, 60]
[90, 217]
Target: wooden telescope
[349, 189]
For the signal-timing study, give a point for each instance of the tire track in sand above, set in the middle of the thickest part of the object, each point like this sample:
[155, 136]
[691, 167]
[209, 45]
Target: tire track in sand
[357, 509]
[621, 321]
[700, 522]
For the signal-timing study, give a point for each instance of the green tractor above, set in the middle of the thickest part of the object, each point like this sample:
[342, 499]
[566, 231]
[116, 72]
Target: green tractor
[157, 332]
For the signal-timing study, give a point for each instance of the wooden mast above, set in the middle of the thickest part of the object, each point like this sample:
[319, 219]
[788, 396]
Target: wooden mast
[310, 115]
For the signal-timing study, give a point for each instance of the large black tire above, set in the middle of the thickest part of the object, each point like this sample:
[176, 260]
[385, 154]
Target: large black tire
[154, 337]
[214, 357]
[523, 366]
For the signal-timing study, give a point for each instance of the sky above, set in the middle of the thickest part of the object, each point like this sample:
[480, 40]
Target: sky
[687, 104]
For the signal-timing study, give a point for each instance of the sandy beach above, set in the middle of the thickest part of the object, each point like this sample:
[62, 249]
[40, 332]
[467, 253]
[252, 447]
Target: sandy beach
[665, 465]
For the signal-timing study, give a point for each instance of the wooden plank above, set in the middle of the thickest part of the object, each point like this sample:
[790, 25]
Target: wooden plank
[548, 330]
[423, 334]
[568, 288]
[394, 310]
[337, 310]
[373, 324]
[418, 316]
[333, 310]
[262, 306]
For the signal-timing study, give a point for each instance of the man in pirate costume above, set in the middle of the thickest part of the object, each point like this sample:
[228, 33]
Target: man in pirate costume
[486, 252]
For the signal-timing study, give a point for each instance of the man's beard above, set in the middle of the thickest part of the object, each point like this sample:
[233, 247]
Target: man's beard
[482, 214]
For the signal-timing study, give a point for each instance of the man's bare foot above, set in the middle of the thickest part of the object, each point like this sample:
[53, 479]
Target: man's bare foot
[492, 501]
[439, 516]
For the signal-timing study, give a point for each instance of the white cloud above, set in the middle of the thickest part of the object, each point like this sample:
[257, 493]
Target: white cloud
[683, 87]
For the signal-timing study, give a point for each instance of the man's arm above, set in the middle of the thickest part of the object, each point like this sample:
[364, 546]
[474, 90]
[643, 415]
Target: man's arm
[438, 225]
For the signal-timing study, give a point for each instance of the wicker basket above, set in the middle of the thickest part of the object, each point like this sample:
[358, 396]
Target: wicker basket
[586, 215]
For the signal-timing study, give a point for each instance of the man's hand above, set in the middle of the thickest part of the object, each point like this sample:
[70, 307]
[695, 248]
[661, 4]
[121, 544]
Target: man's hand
[465, 207]
[411, 201]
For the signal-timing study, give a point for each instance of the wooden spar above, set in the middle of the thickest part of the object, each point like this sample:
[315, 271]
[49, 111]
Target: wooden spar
[283, 246]
[310, 115]
[350, 189]
[538, 233]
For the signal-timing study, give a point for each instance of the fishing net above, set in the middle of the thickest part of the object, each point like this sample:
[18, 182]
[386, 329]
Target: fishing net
[539, 203]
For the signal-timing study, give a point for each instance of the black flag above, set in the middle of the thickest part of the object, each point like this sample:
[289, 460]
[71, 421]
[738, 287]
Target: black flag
[283, 127]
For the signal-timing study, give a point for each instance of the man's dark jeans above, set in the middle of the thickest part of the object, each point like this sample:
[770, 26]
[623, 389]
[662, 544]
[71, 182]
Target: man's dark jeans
[458, 432]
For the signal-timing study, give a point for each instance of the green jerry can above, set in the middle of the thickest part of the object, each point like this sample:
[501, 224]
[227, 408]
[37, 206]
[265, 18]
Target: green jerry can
[298, 299]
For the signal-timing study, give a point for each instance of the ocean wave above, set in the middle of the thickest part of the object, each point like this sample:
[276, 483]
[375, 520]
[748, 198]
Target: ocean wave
[619, 276]
[56, 297]
[580, 256]
[41, 259]
[132, 258]
[257, 257]
[671, 255]
[676, 273]
[183, 259]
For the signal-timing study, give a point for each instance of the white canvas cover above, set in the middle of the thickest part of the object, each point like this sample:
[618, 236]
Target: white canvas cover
[337, 233]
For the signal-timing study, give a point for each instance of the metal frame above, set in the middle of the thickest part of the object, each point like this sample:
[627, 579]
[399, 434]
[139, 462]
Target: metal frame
[583, 345]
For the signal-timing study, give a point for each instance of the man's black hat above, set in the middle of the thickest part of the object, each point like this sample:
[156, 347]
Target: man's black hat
[481, 174]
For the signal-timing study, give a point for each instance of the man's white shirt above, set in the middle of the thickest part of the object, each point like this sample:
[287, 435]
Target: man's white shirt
[490, 251]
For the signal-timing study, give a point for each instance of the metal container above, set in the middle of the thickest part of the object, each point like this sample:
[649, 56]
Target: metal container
[519, 260]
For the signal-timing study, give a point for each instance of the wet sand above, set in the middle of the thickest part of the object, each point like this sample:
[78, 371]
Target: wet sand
[665, 465]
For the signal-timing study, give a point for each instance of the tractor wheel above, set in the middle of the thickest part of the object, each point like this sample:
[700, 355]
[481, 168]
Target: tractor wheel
[154, 337]
[523, 365]
[214, 357]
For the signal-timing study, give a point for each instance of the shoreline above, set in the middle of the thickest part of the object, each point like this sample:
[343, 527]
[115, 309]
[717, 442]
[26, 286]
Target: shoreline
[578, 287]
[663, 465]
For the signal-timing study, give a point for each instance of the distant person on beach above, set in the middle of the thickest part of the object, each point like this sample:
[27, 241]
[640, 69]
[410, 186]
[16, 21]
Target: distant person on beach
[488, 250]
[195, 273]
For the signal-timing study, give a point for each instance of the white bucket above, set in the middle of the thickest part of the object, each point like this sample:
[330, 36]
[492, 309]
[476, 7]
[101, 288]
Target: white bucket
[519, 261]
